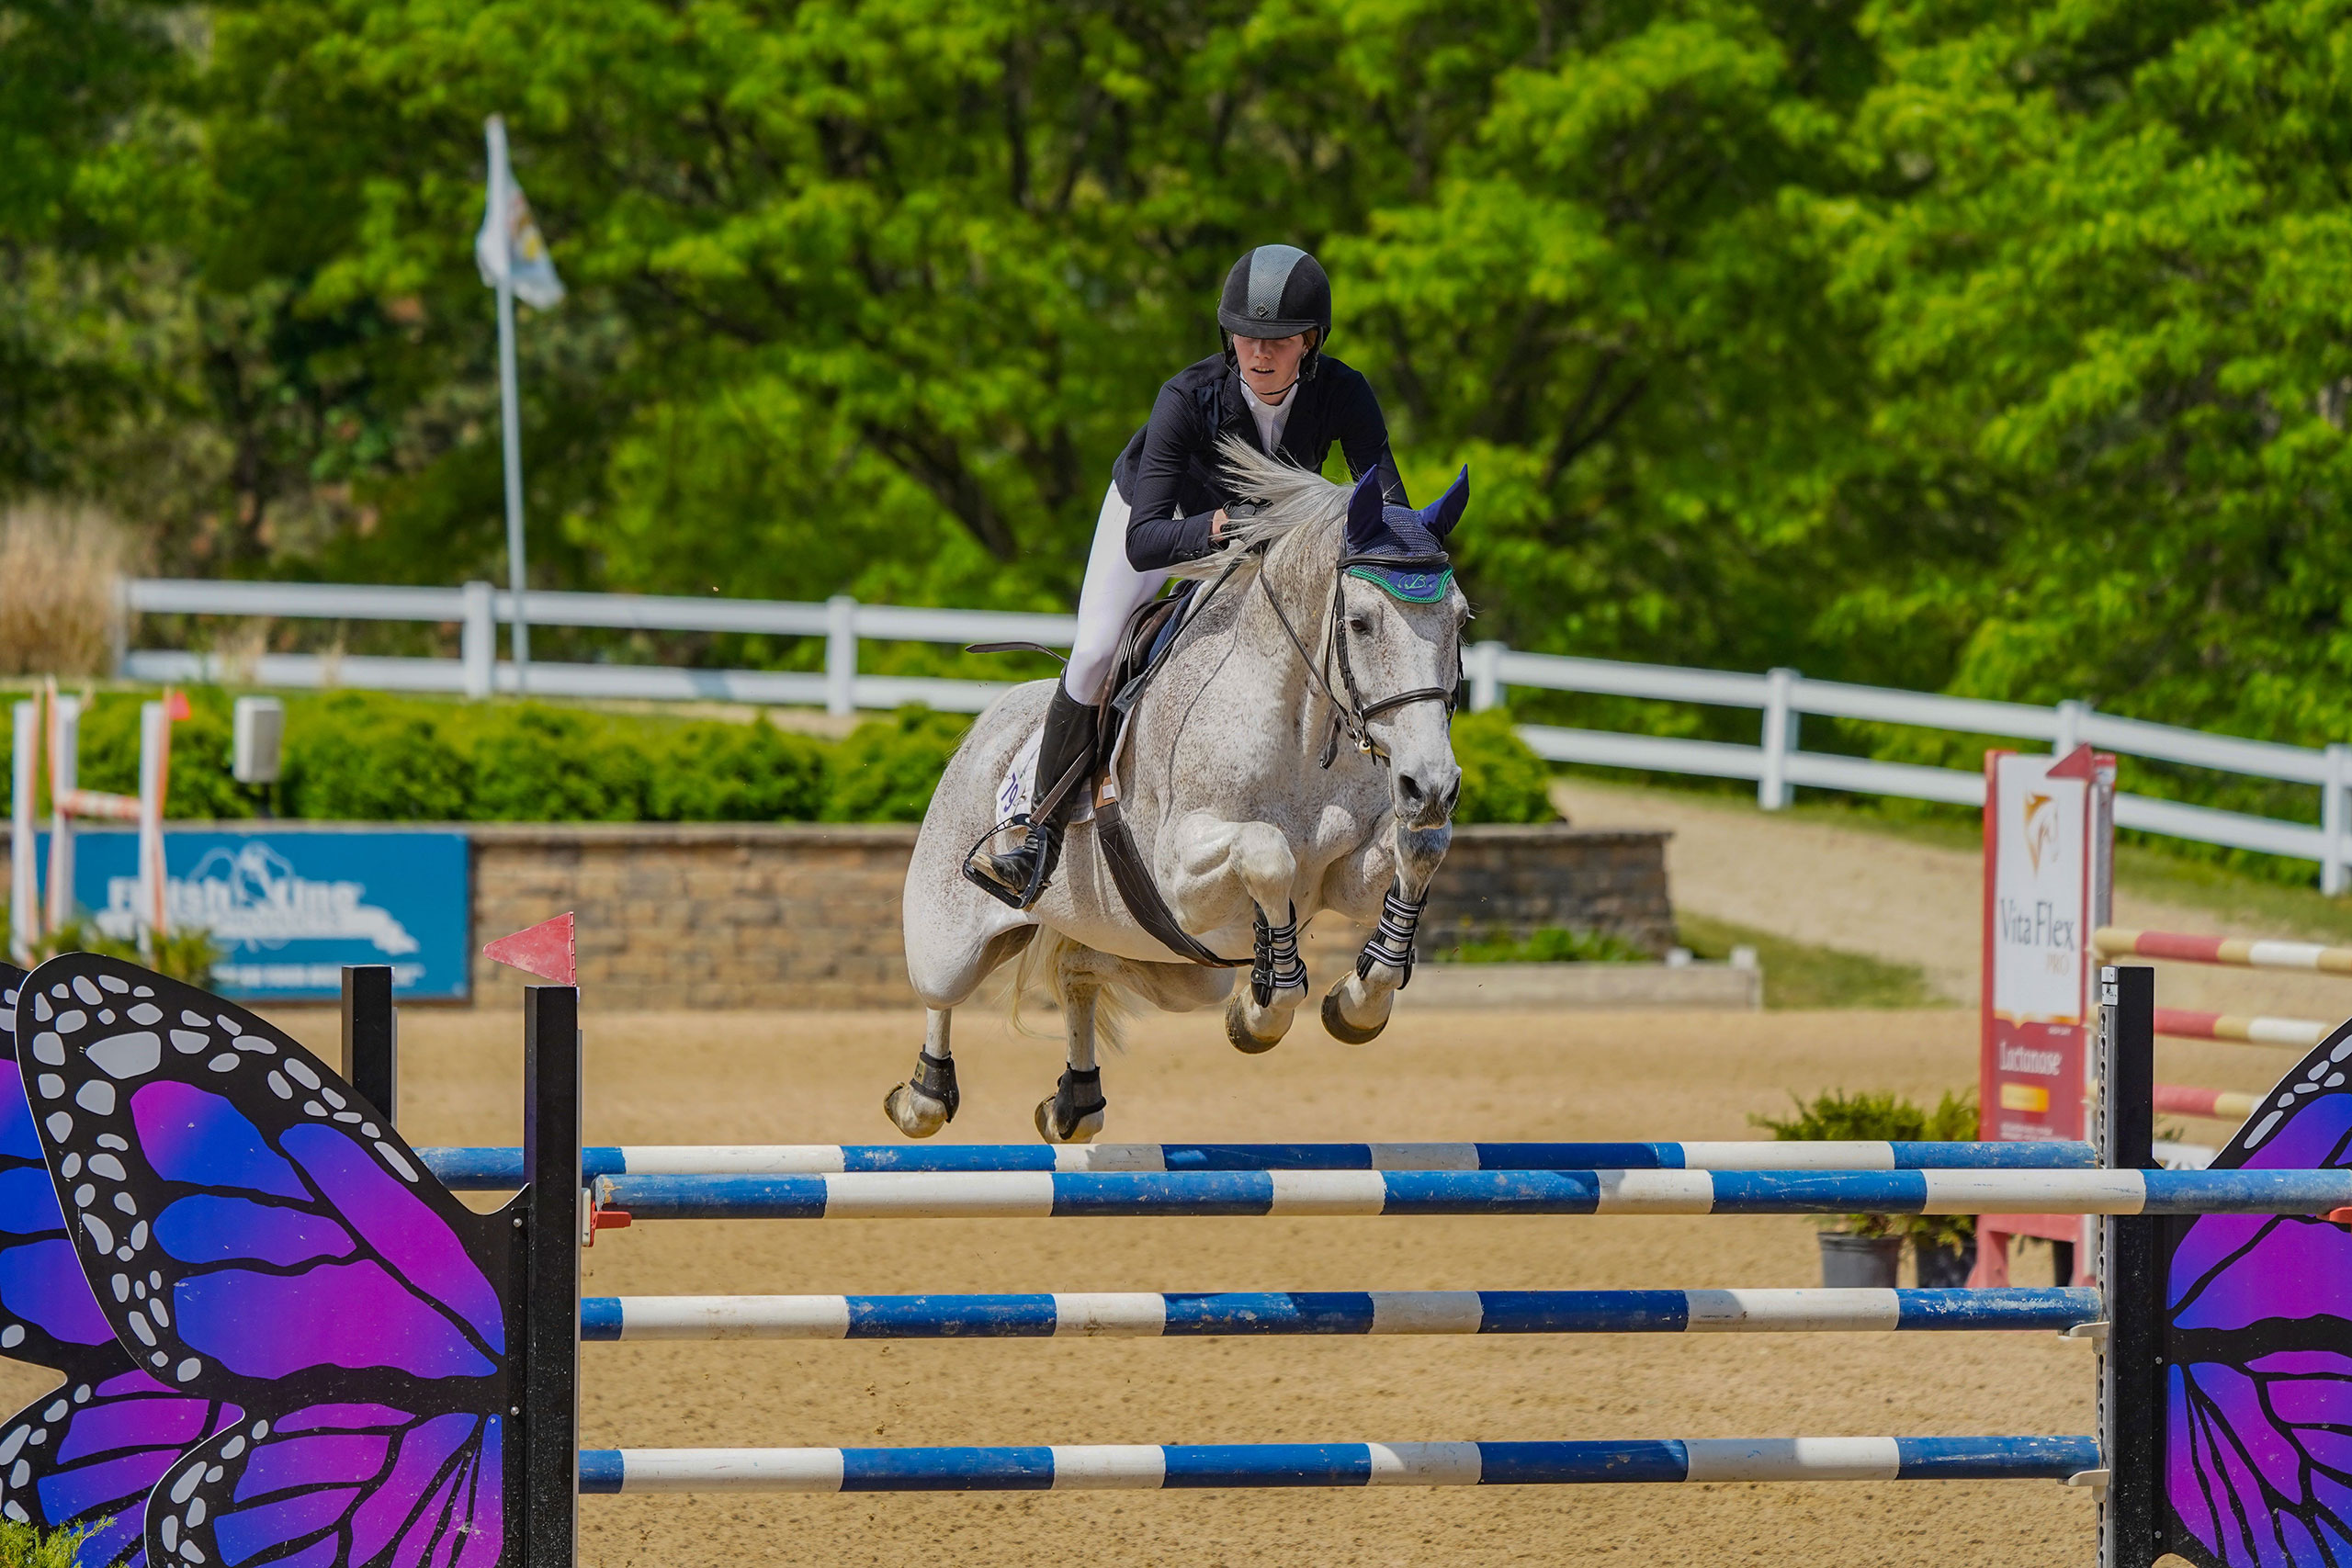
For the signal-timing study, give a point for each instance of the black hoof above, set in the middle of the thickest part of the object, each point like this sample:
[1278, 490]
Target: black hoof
[1073, 1112]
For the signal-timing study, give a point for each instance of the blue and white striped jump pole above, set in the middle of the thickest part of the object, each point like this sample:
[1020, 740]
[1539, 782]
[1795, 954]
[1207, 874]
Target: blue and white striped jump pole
[1049, 1194]
[496, 1169]
[1199, 1465]
[1147, 1315]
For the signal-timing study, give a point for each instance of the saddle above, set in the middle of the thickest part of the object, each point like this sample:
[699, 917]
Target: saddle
[1144, 647]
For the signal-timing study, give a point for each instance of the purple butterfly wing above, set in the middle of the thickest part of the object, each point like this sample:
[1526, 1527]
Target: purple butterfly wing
[84, 1453]
[339, 1484]
[2258, 1349]
[256, 1235]
[47, 1313]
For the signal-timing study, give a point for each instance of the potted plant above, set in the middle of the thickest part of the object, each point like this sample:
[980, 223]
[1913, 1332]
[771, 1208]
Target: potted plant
[1865, 1249]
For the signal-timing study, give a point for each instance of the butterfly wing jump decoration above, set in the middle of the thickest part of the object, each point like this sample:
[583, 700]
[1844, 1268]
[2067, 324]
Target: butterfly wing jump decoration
[260, 1243]
[86, 1453]
[2257, 1333]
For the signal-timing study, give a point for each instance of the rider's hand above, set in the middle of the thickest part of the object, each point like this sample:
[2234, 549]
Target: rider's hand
[1218, 525]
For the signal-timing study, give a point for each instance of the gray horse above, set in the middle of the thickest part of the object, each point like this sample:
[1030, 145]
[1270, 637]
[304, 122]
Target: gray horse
[1332, 617]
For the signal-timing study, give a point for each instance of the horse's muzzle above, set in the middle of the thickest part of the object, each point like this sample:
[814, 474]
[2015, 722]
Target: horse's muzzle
[1425, 799]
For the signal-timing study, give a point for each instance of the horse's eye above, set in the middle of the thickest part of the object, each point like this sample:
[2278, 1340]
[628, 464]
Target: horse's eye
[1357, 624]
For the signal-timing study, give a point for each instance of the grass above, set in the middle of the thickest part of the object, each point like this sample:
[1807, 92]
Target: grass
[1800, 977]
[1551, 944]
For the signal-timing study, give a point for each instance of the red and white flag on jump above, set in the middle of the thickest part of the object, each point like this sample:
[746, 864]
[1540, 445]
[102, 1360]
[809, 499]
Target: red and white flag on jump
[508, 248]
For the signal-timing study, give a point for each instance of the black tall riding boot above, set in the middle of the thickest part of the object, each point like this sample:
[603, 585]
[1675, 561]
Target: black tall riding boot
[1016, 875]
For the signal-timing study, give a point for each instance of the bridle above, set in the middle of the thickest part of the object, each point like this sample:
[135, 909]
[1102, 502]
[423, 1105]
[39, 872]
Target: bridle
[1353, 715]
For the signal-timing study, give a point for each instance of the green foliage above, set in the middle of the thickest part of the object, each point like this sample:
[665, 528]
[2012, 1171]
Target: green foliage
[1502, 781]
[22, 1545]
[184, 954]
[544, 764]
[1548, 944]
[885, 770]
[362, 759]
[736, 772]
[200, 783]
[1997, 348]
[1837, 1115]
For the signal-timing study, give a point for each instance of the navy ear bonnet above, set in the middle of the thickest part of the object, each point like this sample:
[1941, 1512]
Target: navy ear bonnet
[1400, 550]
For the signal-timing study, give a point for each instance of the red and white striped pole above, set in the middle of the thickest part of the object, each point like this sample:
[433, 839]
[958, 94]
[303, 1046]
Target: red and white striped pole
[2115, 941]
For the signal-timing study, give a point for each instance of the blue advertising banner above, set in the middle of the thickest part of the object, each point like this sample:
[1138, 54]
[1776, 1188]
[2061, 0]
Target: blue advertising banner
[291, 907]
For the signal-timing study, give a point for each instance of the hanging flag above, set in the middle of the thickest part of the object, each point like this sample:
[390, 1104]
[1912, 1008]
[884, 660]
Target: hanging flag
[509, 249]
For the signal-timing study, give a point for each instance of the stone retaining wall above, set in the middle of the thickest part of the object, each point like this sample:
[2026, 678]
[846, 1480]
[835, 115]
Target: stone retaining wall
[761, 915]
[774, 915]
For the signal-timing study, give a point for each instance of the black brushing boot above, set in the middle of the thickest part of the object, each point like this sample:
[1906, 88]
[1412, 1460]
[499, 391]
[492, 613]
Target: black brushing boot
[1019, 876]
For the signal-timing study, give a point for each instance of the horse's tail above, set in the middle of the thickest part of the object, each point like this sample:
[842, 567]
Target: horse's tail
[1045, 962]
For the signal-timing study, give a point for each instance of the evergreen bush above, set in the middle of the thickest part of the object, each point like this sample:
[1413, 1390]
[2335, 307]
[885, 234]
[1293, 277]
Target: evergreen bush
[1502, 780]
[885, 770]
[738, 773]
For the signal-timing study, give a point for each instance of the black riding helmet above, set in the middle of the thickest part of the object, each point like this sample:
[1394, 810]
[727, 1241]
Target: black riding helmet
[1278, 291]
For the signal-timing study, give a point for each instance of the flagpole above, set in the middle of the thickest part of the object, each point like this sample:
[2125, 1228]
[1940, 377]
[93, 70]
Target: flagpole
[510, 415]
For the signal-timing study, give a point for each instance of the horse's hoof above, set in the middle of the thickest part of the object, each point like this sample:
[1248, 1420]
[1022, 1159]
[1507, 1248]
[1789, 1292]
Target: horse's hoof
[914, 1112]
[1336, 1025]
[1049, 1126]
[1237, 1026]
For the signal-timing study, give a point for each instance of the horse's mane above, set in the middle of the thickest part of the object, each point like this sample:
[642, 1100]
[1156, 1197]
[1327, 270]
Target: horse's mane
[1292, 498]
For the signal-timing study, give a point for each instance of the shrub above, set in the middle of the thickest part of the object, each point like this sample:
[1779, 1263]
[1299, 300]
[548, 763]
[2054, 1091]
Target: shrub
[885, 771]
[201, 786]
[1502, 781]
[534, 763]
[738, 773]
[58, 567]
[23, 1546]
[352, 758]
[1889, 1117]
[1548, 944]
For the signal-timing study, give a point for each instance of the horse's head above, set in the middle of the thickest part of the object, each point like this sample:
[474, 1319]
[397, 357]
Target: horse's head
[1397, 643]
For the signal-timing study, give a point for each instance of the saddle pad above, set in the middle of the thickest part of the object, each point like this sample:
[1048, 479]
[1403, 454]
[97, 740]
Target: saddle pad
[1019, 786]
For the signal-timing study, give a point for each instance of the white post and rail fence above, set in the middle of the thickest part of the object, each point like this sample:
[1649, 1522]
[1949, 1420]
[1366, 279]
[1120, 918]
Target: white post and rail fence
[1782, 698]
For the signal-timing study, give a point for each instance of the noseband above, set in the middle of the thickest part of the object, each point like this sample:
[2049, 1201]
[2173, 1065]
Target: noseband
[1352, 714]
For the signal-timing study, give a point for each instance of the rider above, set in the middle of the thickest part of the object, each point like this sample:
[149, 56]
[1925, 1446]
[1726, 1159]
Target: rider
[1272, 387]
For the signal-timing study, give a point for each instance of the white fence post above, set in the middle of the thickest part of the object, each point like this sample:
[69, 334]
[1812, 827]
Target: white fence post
[118, 628]
[1780, 718]
[1485, 675]
[478, 639]
[841, 654]
[2070, 726]
[2338, 761]
[24, 883]
[154, 782]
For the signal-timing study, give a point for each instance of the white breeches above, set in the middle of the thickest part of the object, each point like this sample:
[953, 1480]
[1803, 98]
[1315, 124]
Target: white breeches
[1111, 591]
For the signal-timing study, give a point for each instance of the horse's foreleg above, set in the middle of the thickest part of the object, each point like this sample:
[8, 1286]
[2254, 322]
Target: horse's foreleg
[1398, 875]
[927, 1101]
[1073, 1112]
[1255, 855]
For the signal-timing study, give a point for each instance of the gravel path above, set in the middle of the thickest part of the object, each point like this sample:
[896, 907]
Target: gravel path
[1878, 893]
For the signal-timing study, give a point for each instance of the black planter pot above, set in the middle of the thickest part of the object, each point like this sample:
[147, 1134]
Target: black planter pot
[1859, 1262]
[1945, 1268]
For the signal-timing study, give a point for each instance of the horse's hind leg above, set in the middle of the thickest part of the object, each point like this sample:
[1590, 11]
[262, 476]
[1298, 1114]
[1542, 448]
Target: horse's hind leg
[927, 1101]
[1073, 1112]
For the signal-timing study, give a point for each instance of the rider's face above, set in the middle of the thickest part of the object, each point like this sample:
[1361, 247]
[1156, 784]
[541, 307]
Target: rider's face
[1270, 363]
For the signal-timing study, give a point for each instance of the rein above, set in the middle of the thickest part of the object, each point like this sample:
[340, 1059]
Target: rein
[1353, 715]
